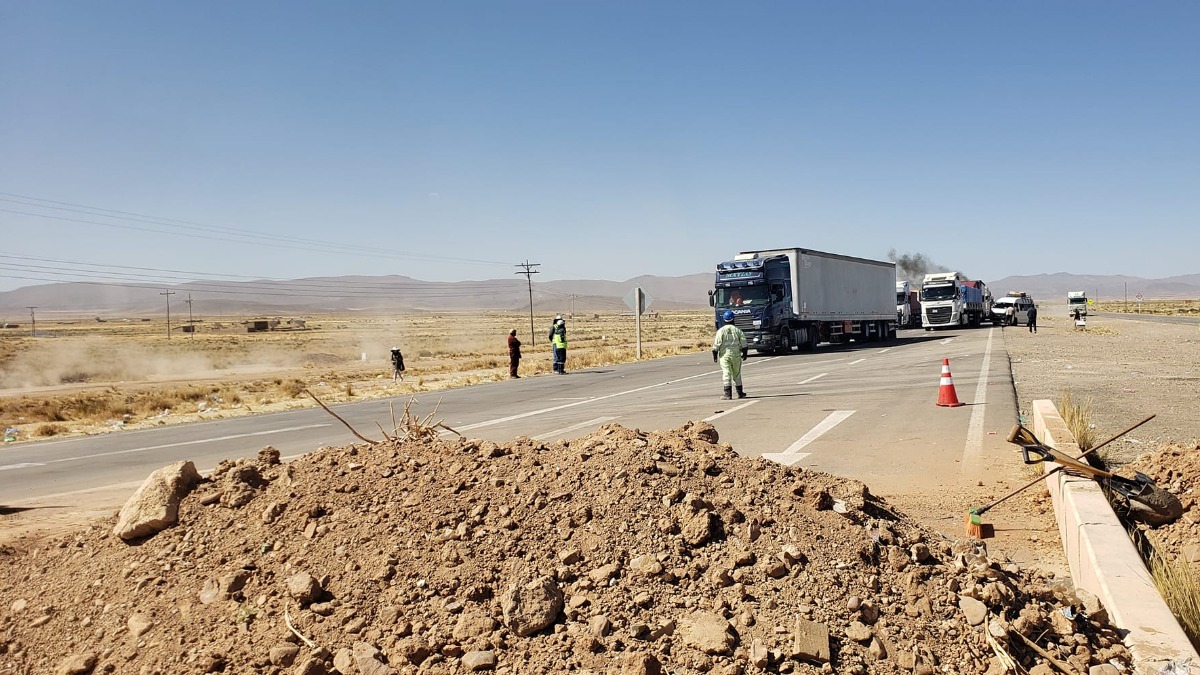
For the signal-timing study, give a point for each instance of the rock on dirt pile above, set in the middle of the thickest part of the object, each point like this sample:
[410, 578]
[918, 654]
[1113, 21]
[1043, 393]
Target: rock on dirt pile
[619, 552]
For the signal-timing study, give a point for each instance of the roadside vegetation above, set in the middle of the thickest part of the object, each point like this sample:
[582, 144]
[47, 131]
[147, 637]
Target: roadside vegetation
[1163, 307]
[1176, 580]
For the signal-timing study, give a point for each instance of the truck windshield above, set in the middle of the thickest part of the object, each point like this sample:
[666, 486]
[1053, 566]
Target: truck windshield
[1077, 301]
[742, 296]
[901, 298]
[946, 292]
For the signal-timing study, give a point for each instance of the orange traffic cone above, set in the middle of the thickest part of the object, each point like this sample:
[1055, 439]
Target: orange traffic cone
[947, 397]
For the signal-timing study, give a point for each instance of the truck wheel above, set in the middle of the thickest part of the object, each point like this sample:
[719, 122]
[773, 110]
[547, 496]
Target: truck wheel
[785, 343]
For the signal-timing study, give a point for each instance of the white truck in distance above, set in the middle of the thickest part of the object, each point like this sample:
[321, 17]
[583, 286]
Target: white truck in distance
[1077, 302]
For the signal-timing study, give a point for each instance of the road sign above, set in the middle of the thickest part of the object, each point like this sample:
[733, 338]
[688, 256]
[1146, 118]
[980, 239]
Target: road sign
[631, 300]
[1139, 297]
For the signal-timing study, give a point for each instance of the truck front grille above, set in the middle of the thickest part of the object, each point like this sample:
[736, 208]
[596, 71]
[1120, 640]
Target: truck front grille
[938, 314]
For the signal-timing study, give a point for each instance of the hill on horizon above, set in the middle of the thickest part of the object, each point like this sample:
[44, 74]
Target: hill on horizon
[323, 295]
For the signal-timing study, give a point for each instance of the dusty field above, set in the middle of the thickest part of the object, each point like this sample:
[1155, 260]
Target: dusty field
[90, 377]
[1122, 370]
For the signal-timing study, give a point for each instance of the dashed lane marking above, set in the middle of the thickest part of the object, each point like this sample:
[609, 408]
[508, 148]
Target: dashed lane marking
[792, 455]
[731, 410]
[814, 377]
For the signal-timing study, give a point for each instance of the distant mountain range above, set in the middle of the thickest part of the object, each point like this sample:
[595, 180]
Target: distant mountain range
[317, 295]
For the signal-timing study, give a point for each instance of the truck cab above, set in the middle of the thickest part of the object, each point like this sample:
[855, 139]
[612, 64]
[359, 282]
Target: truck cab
[1077, 302]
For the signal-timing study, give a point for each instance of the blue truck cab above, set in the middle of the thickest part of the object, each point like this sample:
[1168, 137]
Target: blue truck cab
[759, 293]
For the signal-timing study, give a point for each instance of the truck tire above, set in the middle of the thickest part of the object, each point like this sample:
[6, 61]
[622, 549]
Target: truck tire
[785, 342]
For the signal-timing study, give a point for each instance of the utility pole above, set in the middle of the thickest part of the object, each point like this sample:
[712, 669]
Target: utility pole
[191, 326]
[528, 271]
[32, 322]
[168, 294]
[1126, 297]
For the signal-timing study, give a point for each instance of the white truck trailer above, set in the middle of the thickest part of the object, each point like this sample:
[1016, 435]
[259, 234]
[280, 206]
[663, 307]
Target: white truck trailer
[788, 297]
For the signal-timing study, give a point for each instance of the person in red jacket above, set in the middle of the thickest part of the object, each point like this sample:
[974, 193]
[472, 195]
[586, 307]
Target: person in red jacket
[514, 354]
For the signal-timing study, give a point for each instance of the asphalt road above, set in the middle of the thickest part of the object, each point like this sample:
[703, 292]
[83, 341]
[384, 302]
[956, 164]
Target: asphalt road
[861, 411]
[1157, 318]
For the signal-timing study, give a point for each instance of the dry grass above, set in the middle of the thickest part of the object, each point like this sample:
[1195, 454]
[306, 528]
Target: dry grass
[1180, 587]
[88, 376]
[1078, 417]
[1167, 307]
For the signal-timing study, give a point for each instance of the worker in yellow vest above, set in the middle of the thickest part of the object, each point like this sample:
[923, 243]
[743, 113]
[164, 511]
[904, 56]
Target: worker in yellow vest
[558, 337]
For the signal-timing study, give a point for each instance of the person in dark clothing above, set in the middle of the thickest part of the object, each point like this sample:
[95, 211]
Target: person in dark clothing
[514, 354]
[397, 365]
[1033, 319]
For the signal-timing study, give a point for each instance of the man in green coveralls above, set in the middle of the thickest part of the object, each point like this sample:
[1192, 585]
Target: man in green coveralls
[729, 348]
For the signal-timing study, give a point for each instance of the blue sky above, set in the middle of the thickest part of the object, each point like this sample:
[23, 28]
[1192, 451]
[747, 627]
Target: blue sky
[451, 140]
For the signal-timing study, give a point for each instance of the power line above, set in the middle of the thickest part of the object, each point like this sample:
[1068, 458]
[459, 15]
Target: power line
[241, 235]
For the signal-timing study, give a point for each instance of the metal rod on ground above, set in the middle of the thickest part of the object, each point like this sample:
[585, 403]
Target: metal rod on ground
[973, 517]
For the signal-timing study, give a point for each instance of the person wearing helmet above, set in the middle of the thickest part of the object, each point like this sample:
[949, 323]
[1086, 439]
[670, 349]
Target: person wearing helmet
[397, 365]
[558, 338]
[729, 348]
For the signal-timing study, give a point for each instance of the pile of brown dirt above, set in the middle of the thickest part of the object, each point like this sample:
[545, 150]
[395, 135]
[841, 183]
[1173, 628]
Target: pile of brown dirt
[1175, 468]
[622, 551]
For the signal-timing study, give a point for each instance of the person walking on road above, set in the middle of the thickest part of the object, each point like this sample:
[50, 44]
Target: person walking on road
[1033, 319]
[729, 348]
[1010, 315]
[514, 354]
[397, 365]
[558, 338]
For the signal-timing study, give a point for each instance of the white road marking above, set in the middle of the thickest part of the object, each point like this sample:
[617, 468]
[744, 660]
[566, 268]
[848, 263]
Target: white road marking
[814, 377]
[183, 443]
[884, 351]
[854, 362]
[946, 341]
[792, 455]
[573, 427]
[726, 412]
[22, 465]
[973, 452]
[542, 411]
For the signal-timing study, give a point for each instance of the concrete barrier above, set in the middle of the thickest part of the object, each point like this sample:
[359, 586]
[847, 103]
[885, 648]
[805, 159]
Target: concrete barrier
[1104, 561]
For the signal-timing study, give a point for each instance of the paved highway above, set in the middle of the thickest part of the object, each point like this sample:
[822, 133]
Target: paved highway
[863, 411]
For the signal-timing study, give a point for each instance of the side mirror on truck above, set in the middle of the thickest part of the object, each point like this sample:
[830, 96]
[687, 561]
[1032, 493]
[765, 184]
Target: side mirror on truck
[712, 299]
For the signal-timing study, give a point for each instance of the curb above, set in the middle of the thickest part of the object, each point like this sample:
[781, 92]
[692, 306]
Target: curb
[1104, 561]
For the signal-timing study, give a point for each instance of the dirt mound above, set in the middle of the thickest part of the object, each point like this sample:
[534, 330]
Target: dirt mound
[622, 551]
[1175, 468]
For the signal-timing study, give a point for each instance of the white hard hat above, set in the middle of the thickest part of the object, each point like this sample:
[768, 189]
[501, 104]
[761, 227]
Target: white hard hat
[395, 349]
[558, 317]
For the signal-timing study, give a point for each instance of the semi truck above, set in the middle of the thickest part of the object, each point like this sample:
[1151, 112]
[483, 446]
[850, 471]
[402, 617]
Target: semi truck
[1077, 302]
[949, 300]
[908, 305]
[786, 298]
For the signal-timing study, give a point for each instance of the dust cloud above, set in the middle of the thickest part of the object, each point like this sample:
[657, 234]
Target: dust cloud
[96, 360]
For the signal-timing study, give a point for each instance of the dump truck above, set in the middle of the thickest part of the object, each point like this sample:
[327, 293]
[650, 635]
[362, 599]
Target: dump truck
[787, 298]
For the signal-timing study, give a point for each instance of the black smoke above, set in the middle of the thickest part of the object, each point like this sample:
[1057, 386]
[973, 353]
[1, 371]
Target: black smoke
[913, 267]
